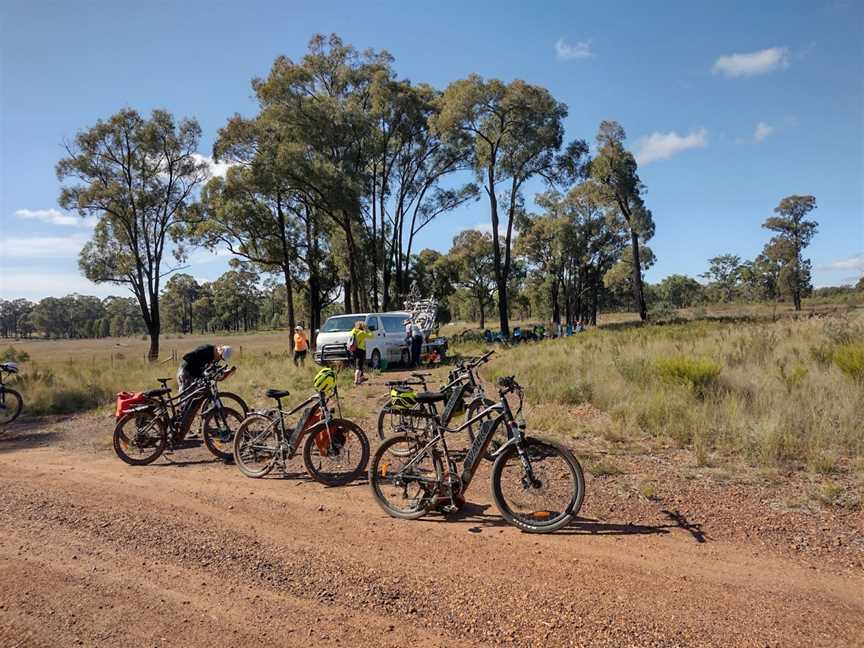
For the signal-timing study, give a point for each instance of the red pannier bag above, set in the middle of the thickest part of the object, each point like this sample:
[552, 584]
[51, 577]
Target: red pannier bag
[127, 400]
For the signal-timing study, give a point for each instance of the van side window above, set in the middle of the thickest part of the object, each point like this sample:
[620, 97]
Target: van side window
[393, 323]
[372, 323]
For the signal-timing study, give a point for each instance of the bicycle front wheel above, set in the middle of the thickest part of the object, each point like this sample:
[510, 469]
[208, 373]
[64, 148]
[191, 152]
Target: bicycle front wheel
[140, 437]
[256, 445]
[336, 454]
[219, 430]
[10, 405]
[405, 478]
[539, 489]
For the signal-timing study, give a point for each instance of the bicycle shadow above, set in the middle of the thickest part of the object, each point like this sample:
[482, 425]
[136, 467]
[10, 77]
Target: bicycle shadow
[475, 515]
[24, 435]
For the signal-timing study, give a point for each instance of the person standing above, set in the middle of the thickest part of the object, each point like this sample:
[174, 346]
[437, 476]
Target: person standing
[357, 346]
[301, 346]
[414, 337]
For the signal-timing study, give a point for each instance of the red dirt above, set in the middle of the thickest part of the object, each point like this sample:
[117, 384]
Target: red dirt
[191, 553]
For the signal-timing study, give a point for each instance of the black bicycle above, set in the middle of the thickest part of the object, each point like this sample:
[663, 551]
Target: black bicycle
[538, 485]
[396, 417]
[163, 422]
[11, 402]
[336, 450]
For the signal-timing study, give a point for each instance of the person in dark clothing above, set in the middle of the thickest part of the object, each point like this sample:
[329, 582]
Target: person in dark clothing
[414, 337]
[196, 362]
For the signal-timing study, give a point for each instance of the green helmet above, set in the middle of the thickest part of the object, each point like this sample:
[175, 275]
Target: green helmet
[403, 398]
[325, 381]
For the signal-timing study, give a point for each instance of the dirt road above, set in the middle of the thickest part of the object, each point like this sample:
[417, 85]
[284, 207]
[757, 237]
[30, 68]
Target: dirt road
[191, 553]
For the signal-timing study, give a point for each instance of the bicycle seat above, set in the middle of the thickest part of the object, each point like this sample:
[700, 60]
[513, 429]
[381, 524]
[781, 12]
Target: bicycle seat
[163, 380]
[277, 393]
[430, 397]
[421, 375]
[156, 393]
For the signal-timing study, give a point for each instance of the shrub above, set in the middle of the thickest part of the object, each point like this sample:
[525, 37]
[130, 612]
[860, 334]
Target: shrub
[11, 354]
[699, 374]
[849, 359]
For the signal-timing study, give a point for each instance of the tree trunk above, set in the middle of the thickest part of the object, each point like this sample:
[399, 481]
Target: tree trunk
[556, 307]
[638, 294]
[482, 314]
[289, 299]
[500, 279]
[346, 291]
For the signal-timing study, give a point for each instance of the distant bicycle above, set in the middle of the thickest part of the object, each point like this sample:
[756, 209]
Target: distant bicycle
[10, 400]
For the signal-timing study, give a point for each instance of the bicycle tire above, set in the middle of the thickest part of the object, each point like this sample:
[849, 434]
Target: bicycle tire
[538, 524]
[311, 450]
[379, 471]
[219, 444]
[15, 409]
[236, 400]
[121, 441]
[251, 463]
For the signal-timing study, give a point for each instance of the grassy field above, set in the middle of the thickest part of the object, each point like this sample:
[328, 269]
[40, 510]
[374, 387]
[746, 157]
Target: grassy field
[756, 384]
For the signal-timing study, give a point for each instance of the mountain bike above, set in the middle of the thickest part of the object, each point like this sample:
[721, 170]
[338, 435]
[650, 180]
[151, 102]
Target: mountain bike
[336, 451]
[393, 419]
[537, 485]
[162, 422]
[10, 400]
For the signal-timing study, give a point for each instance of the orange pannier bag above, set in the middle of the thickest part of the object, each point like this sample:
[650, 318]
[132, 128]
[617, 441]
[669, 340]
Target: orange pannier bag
[128, 400]
[322, 438]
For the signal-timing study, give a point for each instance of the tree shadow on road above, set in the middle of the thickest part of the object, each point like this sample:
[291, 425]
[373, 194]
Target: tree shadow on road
[25, 435]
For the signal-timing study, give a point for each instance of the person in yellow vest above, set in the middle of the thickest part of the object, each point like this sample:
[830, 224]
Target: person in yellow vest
[357, 348]
[301, 346]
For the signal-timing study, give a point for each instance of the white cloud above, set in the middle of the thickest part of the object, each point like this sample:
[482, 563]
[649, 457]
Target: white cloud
[762, 131]
[486, 228]
[42, 247]
[661, 146]
[752, 63]
[54, 217]
[852, 263]
[566, 52]
[27, 284]
[217, 169]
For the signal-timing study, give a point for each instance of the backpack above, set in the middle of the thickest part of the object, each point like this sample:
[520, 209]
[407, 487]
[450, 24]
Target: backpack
[351, 345]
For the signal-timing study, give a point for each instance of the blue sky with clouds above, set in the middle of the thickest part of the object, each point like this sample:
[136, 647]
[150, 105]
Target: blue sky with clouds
[728, 106]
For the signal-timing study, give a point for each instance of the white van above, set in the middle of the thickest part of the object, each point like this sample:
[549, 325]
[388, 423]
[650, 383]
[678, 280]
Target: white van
[387, 341]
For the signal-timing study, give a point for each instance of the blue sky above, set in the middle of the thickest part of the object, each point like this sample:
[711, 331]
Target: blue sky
[729, 106]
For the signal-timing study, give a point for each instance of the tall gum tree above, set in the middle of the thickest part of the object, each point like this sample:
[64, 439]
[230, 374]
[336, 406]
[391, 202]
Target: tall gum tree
[793, 233]
[513, 133]
[615, 169]
[138, 177]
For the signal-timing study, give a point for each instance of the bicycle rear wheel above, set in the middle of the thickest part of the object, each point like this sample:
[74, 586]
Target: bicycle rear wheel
[10, 405]
[219, 430]
[540, 491]
[256, 445]
[404, 477]
[140, 437]
[336, 454]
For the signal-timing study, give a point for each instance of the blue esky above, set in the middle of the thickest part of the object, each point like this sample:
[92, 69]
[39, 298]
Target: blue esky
[729, 106]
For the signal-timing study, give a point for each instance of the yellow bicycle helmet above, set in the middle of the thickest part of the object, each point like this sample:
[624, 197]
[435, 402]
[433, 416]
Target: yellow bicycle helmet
[325, 381]
[403, 398]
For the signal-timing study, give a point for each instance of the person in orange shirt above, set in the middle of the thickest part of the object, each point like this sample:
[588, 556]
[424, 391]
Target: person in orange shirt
[301, 346]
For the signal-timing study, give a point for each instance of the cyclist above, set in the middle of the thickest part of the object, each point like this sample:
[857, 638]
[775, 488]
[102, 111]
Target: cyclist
[357, 347]
[196, 362]
[301, 345]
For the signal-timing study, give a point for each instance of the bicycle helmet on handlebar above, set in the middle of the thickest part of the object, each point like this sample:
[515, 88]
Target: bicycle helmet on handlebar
[325, 381]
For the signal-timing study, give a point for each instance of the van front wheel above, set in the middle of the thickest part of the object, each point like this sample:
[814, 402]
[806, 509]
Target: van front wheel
[376, 359]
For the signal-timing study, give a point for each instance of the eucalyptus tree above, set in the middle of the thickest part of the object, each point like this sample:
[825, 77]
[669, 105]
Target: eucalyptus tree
[472, 259]
[793, 233]
[513, 132]
[138, 177]
[615, 170]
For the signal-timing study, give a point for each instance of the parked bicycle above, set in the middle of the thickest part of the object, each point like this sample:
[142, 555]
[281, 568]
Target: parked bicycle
[154, 421]
[335, 452]
[402, 413]
[537, 485]
[11, 402]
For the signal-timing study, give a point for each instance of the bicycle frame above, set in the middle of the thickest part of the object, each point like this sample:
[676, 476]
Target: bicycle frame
[290, 442]
[481, 442]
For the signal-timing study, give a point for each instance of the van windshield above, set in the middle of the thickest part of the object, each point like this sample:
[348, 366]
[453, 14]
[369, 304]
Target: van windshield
[338, 325]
